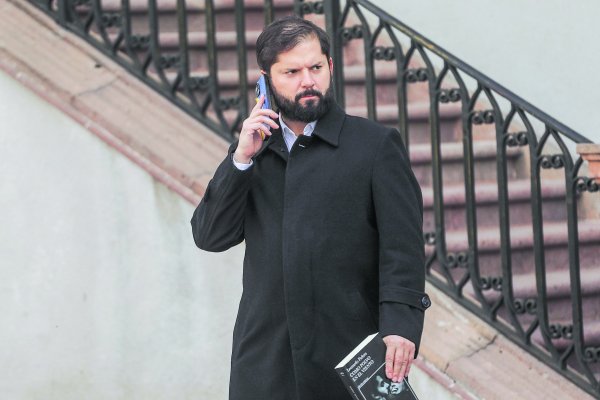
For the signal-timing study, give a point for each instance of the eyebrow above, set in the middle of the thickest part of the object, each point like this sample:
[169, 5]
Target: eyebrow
[319, 63]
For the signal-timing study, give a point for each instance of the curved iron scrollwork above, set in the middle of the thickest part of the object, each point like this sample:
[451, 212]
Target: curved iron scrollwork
[491, 282]
[229, 103]
[591, 354]
[559, 331]
[585, 184]
[139, 42]
[384, 53]
[312, 7]
[416, 75]
[517, 139]
[449, 95]
[457, 260]
[523, 306]
[111, 20]
[351, 33]
[554, 161]
[483, 117]
[201, 83]
[169, 61]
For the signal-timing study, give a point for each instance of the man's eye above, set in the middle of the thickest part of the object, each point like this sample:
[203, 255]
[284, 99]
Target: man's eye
[317, 67]
[290, 72]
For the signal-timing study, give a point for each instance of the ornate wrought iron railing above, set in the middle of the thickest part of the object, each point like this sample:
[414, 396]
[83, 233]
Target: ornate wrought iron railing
[505, 272]
[139, 36]
[518, 293]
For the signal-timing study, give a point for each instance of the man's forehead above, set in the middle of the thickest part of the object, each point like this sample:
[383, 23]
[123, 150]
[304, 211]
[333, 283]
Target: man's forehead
[310, 53]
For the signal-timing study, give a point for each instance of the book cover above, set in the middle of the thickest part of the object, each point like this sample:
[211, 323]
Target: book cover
[363, 373]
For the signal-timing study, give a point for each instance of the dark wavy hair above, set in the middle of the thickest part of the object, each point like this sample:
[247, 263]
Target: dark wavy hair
[283, 35]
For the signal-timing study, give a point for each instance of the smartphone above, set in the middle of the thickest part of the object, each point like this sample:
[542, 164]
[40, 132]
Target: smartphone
[261, 89]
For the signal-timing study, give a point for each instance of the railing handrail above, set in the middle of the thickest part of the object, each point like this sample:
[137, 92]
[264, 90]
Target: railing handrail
[474, 73]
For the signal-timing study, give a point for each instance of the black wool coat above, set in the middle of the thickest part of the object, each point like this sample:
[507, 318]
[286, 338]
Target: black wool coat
[334, 252]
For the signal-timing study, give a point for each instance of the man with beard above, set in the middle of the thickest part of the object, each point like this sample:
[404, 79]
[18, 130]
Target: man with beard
[331, 215]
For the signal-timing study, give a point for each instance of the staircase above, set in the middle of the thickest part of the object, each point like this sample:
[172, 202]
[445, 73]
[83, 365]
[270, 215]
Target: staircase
[458, 167]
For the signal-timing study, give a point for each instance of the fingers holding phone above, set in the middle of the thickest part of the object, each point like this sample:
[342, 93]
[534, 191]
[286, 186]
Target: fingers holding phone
[251, 138]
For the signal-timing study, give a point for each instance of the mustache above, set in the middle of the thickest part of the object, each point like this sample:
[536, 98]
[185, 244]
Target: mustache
[309, 92]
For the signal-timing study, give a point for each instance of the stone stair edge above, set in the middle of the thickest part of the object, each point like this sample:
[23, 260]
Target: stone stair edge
[482, 361]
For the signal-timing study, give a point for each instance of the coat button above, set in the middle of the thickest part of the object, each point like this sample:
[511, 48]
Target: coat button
[425, 302]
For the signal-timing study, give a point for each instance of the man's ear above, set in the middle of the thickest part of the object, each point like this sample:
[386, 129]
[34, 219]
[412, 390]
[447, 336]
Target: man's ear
[330, 64]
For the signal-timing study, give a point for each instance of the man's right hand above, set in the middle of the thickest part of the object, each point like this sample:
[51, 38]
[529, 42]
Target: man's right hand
[250, 140]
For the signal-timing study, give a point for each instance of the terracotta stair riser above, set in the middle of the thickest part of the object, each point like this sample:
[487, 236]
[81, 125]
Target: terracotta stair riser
[225, 19]
[558, 303]
[453, 170]
[556, 258]
[488, 214]
[523, 259]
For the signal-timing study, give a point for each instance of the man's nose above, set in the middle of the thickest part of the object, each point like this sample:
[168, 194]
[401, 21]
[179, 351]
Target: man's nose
[307, 79]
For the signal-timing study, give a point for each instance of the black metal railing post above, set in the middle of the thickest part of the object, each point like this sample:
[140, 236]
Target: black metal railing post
[269, 12]
[63, 12]
[242, 55]
[332, 24]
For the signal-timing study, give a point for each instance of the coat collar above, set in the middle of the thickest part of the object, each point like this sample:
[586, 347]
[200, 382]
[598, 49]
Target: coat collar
[330, 125]
[328, 129]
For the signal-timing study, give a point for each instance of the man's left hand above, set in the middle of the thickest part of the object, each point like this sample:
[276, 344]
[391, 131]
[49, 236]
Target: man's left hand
[399, 356]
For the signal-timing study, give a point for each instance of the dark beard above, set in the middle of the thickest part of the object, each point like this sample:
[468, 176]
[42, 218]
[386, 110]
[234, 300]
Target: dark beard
[312, 111]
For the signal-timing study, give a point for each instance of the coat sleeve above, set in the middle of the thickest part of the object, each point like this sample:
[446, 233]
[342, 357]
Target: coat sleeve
[218, 221]
[399, 214]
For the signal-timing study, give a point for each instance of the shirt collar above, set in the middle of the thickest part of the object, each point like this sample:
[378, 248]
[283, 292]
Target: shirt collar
[308, 129]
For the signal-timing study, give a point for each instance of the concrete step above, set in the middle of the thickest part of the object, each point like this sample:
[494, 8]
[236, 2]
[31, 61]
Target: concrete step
[487, 207]
[419, 128]
[197, 45]
[558, 292]
[523, 258]
[452, 156]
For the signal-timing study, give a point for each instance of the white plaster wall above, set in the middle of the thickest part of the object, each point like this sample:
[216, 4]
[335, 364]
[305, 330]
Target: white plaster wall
[103, 294]
[547, 52]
